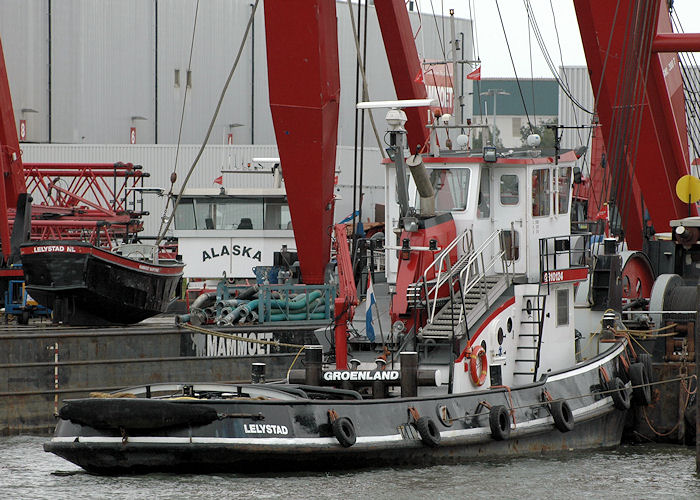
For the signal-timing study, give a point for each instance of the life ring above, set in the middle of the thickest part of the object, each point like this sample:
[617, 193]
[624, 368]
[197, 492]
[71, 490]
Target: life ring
[499, 421]
[344, 431]
[641, 393]
[562, 415]
[620, 397]
[428, 430]
[478, 377]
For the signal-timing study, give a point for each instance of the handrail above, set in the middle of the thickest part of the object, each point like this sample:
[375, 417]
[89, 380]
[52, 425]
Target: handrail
[479, 254]
[441, 261]
[469, 258]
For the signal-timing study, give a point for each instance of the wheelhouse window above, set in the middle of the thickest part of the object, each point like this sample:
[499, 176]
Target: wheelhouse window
[509, 189]
[213, 212]
[540, 192]
[184, 215]
[483, 210]
[451, 188]
[563, 189]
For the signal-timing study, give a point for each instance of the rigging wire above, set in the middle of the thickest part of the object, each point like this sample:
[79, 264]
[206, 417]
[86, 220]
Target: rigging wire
[475, 47]
[566, 77]
[182, 120]
[691, 84]
[213, 120]
[548, 58]
[517, 80]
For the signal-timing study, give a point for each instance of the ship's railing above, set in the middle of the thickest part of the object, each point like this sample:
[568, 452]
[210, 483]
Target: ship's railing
[557, 253]
[444, 270]
[473, 276]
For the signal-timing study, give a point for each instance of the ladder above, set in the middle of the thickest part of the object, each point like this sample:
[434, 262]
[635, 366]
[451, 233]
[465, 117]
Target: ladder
[527, 359]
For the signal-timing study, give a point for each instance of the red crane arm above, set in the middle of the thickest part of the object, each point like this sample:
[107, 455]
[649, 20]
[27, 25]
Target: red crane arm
[405, 66]
[304, 84]
[11, 171]
[662, 156]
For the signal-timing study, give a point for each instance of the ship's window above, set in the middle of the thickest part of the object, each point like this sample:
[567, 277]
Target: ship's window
[564, 187]
[562, 307]
[540, 192]
[511, 244]
[483, 210]
[184, 215]
[451, 187]
[277, 215]
[509, 189]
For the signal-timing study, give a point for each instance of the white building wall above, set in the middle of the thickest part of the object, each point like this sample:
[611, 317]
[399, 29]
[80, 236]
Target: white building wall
[23, 30]
[110, 72]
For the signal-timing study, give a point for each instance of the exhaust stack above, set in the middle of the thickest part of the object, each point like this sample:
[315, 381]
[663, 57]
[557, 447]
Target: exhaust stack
[425, 187]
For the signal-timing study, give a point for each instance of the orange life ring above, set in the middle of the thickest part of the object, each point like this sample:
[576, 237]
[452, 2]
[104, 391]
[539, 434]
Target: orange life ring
[478, 377]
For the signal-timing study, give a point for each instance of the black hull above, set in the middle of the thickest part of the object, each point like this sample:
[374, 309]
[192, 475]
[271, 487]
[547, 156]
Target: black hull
[94, 287]
[139, 458]
[291, 433]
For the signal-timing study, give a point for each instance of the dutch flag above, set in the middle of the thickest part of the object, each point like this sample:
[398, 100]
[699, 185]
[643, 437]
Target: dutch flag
[369, 303]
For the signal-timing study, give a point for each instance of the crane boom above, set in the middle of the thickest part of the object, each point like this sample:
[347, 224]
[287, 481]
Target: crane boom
[612, 33]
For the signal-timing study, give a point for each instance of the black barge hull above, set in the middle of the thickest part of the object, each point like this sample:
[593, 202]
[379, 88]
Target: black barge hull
[86, 285]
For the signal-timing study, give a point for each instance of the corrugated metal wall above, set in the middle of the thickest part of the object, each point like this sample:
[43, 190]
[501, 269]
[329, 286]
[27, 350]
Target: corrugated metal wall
[104, 57]
[159, 161]
[579, 82]
[23, 29]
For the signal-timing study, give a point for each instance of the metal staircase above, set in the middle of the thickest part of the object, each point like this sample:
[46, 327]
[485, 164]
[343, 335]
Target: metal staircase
[472, 282]
[527, 359]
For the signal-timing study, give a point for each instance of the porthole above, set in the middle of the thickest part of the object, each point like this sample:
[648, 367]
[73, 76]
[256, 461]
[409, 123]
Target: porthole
[444, 415]
[509, 325]
[528, 307]
[500, 336]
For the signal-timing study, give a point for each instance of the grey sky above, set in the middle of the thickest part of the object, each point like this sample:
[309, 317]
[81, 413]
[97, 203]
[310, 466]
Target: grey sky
[491, 42]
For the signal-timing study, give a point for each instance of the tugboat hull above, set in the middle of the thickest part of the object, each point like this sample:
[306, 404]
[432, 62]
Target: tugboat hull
[296, 433]
[86, 285]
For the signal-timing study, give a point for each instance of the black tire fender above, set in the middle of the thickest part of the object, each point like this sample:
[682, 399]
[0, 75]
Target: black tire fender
[499, 421]
[641, 393]
[562, 415]
[344, 431]
[429, 432]
[646, 360]
[619, 394]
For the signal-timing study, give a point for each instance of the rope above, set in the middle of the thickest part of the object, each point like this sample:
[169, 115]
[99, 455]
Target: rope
[211, 124]
[681, 413]
[365, 90]
[648, 333]
[199, 329]
[182, 120]
[581, 396]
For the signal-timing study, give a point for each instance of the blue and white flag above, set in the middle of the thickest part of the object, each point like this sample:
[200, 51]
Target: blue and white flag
[371, 301]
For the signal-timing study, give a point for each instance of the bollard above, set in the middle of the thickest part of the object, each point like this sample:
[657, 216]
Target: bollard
[257, 373]
[409, 374]
[313, 359]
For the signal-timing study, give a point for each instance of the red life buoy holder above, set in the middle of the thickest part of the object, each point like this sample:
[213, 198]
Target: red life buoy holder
[478, 377]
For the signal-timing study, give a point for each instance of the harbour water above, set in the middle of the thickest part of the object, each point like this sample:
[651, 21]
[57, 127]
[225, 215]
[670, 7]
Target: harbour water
[649, 471]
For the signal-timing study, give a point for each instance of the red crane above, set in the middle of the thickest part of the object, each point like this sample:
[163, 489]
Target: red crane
[304, 82]
[636, 79]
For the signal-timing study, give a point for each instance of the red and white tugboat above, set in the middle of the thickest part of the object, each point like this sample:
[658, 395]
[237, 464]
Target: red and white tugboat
[480, 360]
